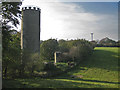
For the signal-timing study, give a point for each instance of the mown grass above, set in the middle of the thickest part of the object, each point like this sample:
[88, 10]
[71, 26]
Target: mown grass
[98, 71]
[102, 65]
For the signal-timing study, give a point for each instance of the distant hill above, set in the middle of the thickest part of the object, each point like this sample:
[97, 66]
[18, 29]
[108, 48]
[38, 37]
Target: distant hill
[107, 42]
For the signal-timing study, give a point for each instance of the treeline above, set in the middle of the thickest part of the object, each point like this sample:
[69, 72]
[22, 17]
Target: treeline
[117, 44]
[106, 42]
[72, 50]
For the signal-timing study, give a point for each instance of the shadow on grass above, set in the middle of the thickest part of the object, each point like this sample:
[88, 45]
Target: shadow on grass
[96, 81]
[30, 83]
[100, 59]
[103, 59]
[67, 76]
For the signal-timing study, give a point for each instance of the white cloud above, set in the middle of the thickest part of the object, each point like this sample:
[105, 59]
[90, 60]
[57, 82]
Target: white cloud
[68, 20]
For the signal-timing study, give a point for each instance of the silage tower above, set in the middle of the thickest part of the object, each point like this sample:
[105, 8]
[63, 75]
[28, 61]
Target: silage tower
[91, 36]
[30, 33]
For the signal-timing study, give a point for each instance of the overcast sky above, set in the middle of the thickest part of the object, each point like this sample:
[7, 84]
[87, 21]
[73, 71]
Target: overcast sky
[67, 20]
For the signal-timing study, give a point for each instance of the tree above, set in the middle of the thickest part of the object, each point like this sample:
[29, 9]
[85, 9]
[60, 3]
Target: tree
[34, 63]
[12, 57]
[48, 48]
[11, 12]
[118, 43]
[77, 49]
[63, 46]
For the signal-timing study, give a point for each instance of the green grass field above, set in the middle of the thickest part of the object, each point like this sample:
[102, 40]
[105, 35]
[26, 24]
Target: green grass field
[98, 71]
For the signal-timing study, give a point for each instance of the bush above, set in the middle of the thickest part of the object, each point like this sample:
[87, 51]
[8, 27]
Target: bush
[50, 67]
[47, 49]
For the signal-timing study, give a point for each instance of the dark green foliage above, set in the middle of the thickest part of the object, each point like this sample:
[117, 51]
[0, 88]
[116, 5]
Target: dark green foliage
[10, 11]
[12, 56]
[49, 67]
[10, 41]
[63, 46]
[118, 43]
[31, 62]
[77, 49]
[48, 48]
[72, 51]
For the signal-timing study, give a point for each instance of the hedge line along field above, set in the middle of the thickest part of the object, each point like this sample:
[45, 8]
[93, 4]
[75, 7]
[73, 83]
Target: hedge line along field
[98, 71]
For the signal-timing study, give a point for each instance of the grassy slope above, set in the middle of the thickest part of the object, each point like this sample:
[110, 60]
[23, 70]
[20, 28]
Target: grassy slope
[100, 70]
[102, 66]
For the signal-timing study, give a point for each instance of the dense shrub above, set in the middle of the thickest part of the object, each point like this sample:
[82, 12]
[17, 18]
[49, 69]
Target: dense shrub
[77, 50]
[47, 49]
[63, 46]
[50, 67]
[34, 63]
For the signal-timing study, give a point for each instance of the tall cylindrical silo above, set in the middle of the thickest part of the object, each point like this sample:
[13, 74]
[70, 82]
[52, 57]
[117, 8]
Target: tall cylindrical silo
[30, 33]
[91, 36]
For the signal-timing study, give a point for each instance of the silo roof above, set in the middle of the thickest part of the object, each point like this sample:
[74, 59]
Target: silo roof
[30, 7]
